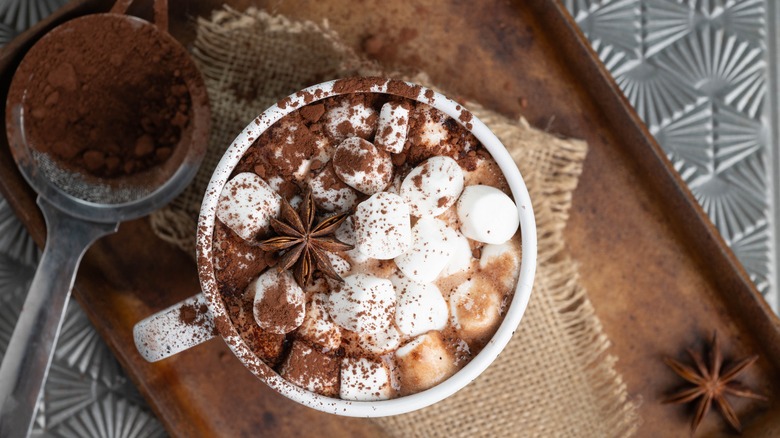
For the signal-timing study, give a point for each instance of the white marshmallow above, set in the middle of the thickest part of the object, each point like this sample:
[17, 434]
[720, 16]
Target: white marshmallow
[364, 380]
[474, 309]
[360, 120]
[346, 234]
[487, 214]
[380, 343]
[423, 363]
[339, 265]
[460, 250]
[419, 308]
[430, 124]
[247, 204]
[275, 183]
[433, 186]
[506, 258]
[330, 193]
[382, 226]
[393, 127]
[429, 253]
[279, 301]
[363, 304]
[362, 166]
[317, 326]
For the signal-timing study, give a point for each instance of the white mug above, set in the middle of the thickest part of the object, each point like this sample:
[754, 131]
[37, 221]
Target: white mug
[164, 334]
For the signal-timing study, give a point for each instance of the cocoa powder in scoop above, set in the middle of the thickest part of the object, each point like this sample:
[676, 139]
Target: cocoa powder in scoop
[108, 102]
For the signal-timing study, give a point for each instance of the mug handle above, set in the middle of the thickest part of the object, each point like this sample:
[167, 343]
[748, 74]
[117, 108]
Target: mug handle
[175, 329]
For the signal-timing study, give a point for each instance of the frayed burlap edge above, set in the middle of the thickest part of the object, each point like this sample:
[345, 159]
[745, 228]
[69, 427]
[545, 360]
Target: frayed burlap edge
[579, 395]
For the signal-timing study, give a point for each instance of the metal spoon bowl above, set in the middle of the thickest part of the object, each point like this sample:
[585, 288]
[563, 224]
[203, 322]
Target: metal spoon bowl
[78, 210]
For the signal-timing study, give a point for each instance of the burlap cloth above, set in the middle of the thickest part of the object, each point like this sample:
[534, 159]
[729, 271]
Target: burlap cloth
[555, 378]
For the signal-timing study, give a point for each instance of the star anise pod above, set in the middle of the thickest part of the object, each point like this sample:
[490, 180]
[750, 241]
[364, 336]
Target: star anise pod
[304, 245]
[711, 384]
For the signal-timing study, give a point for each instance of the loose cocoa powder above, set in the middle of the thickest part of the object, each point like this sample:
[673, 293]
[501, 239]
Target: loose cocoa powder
[105, 96]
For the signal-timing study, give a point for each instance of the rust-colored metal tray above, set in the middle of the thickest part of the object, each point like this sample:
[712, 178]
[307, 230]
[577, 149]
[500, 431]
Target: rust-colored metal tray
[660, 277]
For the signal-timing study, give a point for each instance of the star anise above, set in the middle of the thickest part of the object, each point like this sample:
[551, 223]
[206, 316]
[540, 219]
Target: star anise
[304, 245]
[711, 384]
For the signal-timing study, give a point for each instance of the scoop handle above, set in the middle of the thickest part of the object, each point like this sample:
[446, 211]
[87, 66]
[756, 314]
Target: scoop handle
[160, 11]
[31, 348]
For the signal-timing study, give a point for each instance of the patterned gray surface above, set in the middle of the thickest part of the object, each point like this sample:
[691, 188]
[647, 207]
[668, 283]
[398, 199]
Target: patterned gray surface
[697, 73]
[86, 394]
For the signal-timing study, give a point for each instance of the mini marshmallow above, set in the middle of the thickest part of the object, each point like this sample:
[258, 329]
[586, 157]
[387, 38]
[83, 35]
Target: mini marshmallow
[279, 301]
[380, 343]
[474, 309]
[346, 234]
[317, 327]
[330, 193]
[429, 252]
[460, 250]
[433, 186]
[423, 363]
[382, 226]
[487, 214]
[364, 380]
[312, 370]
[363, 303]
[339, 265]
[430, 125]
[393, 127]
[362, 166]
[247, 204]
[419, 308]
[350, 120]
[505, 257]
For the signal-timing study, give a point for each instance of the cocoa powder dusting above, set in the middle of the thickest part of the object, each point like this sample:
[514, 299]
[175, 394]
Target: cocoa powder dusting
[274, 306]
[102, 106]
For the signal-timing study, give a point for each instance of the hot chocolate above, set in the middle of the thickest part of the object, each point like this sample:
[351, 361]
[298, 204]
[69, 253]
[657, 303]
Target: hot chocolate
[367, 246]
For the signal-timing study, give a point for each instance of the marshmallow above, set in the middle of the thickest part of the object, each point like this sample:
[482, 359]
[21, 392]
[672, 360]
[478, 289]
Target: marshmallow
[474, 308]
[312, 370]
[363, 304]
[382, 227]
[284, 152]
[279, 301]
[338, 263]
[431, 132]
[423, 363]
[247, 204]
[349, 119]
[330, 193]
[380, 343]
[429, 253]
[346, 234]
[504, 258]
[362, 166]
[364, 380]
[393, 127]
[487, 214]
[433, 186]
[460, 250]
[317, 327]
[419, 308]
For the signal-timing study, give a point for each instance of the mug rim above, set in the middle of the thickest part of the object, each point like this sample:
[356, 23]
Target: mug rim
[478, 363]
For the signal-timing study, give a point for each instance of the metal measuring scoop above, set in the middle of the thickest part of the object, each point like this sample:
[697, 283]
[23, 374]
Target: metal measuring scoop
[79, 209]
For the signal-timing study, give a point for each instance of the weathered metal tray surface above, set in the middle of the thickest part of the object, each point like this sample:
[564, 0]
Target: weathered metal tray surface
[659, 274]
